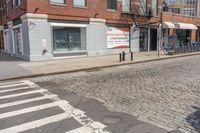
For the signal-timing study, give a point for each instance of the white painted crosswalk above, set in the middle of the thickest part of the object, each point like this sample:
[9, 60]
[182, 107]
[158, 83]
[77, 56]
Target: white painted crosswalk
[87, 124]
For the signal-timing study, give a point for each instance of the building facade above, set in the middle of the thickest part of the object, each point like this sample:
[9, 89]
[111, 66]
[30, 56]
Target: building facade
[185, 7]
[181, 22]
[43, 30]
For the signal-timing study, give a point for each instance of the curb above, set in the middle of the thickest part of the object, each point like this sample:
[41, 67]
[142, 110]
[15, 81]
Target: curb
[98, 67]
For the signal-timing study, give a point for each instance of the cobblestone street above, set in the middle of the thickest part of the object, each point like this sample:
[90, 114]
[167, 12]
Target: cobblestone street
[162, 93]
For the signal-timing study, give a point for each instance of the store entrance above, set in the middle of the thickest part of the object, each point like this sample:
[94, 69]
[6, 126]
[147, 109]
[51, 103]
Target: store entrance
[143, 39]
[153, 39]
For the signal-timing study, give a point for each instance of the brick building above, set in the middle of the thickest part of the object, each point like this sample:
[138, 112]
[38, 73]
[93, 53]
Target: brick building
[181, 22]
[185, 7]
[42, 30]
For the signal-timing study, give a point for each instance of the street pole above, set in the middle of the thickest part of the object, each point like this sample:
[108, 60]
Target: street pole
[161, 33]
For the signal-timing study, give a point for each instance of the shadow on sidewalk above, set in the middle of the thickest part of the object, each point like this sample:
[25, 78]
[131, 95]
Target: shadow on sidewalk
[7, 57]
[194, 119]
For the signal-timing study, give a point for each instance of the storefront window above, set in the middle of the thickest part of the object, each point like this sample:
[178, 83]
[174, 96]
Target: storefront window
[183, 36]
[198, 35]
[165, 37]
[68, 39]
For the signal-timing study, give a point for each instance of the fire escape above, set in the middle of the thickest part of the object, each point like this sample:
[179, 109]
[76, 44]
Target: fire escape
[138, 11]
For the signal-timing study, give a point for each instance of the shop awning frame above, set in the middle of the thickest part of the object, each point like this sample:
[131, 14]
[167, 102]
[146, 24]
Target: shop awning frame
[168, 25]
[185, 26]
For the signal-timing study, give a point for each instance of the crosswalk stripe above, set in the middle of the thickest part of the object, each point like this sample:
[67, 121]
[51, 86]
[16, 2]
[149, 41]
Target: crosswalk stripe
[21, 94]
[95, 127]
[37, 123]
[83, 119]
[11, 85]
[88, 125]
[27, 101]
[12, 82]
[31, 109]
[15, 89]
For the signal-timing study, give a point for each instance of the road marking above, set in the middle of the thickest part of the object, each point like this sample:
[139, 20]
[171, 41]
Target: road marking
[88, 125]
[27, 101]
[31, 109]
[21, 94]
[15, 89]
[11, 85]
[37, 123]
[14, 82]
[30, 83]
[95, 127]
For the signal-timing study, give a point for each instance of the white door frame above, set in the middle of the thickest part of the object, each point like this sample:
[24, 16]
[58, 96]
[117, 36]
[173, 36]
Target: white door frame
[20, 29]
[6, 45]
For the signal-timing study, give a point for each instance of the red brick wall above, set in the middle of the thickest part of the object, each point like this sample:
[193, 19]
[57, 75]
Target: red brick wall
[68, 12]
[15, 13]
[180, 18]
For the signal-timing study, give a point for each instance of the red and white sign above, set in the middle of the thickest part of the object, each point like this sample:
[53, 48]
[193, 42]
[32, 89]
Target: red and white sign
[117, 37]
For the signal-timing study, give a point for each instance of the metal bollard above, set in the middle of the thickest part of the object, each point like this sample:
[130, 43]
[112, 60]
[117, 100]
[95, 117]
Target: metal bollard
[120, 57]
[131, 56]
[123, 56]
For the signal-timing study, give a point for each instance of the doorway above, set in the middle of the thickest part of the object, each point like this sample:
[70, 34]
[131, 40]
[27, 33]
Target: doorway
[143, 39]
[153, 39]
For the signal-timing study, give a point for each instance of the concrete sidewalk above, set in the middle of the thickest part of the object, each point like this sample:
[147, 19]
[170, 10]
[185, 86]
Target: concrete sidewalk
[12, 68]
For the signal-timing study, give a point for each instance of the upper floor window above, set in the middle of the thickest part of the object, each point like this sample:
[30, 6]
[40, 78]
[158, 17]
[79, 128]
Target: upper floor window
[16, 3]
[112, 4]
[126, 6]
[5, 7]
[190, 2]
[81, 3]
[57, 1]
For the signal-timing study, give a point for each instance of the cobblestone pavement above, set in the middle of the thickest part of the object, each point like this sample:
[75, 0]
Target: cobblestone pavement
[162, 93]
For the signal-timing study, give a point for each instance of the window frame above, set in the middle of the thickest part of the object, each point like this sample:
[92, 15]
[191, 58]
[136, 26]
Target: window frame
[80, 6]
[112, 9]
[57, 3]
[14, 4]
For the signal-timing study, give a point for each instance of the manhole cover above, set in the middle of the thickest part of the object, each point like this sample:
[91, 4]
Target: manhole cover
[111, 120]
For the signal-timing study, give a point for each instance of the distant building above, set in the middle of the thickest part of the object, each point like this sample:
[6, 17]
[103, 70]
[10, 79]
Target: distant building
[185, 7]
